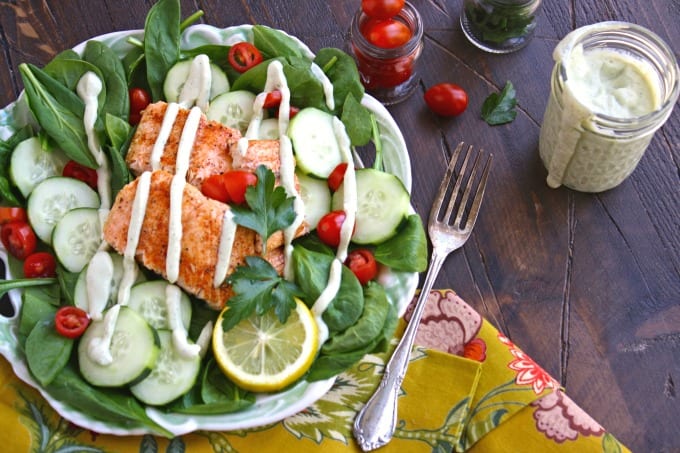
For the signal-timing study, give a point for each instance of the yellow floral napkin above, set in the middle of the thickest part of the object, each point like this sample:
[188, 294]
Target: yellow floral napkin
[468, 388]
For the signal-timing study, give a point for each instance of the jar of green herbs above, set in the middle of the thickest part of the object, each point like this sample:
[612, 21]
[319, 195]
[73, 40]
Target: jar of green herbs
[499, 26]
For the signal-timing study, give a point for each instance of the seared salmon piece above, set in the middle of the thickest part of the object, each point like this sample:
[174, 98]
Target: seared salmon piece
[201, 228]
[211, 153]
[259, 152]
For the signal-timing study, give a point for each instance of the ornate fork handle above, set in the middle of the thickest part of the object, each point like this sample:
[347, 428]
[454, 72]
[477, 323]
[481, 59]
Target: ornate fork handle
[375, 423]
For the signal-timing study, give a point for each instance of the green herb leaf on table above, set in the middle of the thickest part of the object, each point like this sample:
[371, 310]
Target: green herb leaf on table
[269, 208]
[259, 288]
[499, 108]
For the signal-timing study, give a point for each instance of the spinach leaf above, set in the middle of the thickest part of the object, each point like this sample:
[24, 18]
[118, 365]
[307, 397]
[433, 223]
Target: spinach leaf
[47, 352]
[499, 108]
[161, 43]
[68, 73]
[68, 54]
[327, 366]
[67, 284]
[311, 275]
[357, 121]
[35, 307]
[59, 112]
[118, 130]
[342, 71]
[407, 251]
[272, 43]
[117, 101]
[6, 285]
[10, 196]
[134, 64]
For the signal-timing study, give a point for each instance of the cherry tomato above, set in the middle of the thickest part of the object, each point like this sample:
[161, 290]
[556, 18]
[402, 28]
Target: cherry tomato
[329, 227]
[273, 99]
[19, 239]
[236, 183]
[243, 56]
[362, 264]
[40, 264]
[73, 169]
[213, 187]
[386, 33]
[337, 176]
[446, 99]
[382, 9]
[139, 99]
[11, 214]
[71, 321]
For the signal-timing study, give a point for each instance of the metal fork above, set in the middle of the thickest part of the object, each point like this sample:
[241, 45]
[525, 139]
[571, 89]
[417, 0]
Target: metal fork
[448, 230]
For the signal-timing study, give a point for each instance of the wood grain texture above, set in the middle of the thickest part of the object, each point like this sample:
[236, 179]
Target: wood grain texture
[588, 285]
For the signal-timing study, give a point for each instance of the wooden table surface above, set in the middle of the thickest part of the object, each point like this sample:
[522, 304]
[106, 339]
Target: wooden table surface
[588, 285]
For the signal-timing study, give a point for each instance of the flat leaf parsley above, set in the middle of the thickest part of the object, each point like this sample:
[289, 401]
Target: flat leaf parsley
[499, 108]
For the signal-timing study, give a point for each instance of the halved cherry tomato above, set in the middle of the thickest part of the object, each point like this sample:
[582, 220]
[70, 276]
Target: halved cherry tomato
[273, 99]
[337, 176]
[386, 33]
[12, 214]
[362, 264]
[40, 264]
[71, 321]
[236, 183]
[292, 111]
[213, 187]
[328, 228]
[446, 99]
[382, 9]
[243, 56]
[139, 99]
[73, 169]
[18, 238]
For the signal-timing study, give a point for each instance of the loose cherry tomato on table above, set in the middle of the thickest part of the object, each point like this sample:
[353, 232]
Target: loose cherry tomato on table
[12, 214]
[236, 183]
[139, 99]
[39, 265]
[446, 99]
[337, 176]
[329, 226]
[18, 238]
[362, 264]
[243, 56]
[386, 33]
[71, 321]
[73, 169]
[382, 9]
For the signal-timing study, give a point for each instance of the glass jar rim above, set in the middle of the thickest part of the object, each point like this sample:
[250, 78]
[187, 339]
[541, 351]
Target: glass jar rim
[408, 13]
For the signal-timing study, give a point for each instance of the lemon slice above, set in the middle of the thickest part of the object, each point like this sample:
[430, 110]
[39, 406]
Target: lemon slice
[261, 354]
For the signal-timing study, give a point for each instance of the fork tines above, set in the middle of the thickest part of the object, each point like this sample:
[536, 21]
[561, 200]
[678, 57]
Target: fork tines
[459, 204]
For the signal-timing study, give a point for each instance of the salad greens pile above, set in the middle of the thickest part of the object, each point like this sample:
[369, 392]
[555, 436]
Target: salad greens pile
[360, 318]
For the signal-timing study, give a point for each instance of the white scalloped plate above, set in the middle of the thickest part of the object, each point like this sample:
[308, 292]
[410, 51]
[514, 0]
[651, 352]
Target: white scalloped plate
[269, 408]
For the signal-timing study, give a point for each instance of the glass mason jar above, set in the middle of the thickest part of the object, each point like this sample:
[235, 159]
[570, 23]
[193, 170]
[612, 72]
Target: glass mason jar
[613, 85]
[499, 26]
[388, 74]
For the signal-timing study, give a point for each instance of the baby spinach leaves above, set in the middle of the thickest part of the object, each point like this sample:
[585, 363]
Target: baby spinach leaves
[407, 251]
[161, 43]
[47, 352]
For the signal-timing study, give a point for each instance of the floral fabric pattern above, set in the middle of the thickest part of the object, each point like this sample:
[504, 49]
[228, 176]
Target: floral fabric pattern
[560, 419]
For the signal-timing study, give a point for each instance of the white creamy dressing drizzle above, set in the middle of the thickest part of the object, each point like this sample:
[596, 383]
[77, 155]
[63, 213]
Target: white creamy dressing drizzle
[98, 277]
[327, 85]
[227, 236]
[179, 333]
[350, 207]
[169, 118]
[196, 89]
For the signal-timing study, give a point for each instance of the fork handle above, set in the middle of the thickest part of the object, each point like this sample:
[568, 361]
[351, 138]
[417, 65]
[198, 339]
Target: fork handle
[375, 423]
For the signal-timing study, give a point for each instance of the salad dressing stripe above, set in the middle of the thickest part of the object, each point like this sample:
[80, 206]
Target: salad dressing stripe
[326, 84]
[179, 333]
[166, 128]
[227, 236]
[196, 89]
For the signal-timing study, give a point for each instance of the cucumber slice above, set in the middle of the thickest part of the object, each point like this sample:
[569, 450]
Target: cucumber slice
[382, 204]
[76, 238]
[314, 142]
[172, 376]
[269, 129]
[178, 74]
[80, 291]
[233, 109]
[134, 348]
[316, 196]
[148, 299]
[30, 164]
[54, 197]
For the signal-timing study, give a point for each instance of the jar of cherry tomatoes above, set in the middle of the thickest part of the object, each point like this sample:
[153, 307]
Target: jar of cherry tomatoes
[388, 72]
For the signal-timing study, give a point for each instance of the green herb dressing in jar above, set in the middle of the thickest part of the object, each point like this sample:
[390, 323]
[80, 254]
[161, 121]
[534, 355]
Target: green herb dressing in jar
[614, 84]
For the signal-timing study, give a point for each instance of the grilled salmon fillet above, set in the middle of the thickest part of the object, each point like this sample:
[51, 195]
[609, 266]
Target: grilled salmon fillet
[210, 155]
[201, 227]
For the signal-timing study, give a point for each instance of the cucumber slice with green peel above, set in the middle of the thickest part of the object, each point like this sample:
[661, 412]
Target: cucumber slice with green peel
[233, 109]
[382, 205]
[30, 164]
[149, 300]
[178, 74]
[172, 376]
[76, 238]
[54, 197]
[316, 197]
[314, 142]
[134, 348]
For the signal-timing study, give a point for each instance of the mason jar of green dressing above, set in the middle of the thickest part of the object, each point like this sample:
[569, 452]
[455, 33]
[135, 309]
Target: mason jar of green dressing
[613, 85]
